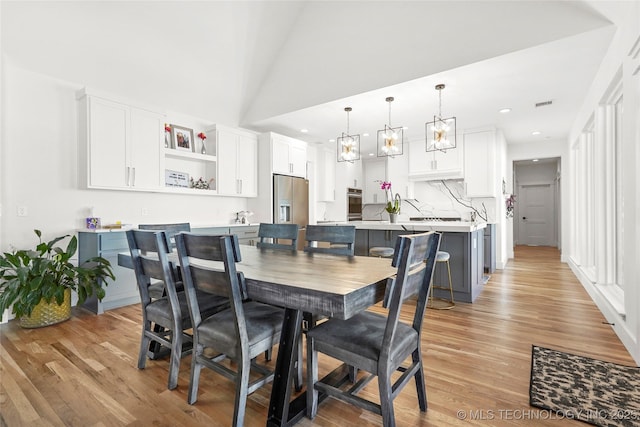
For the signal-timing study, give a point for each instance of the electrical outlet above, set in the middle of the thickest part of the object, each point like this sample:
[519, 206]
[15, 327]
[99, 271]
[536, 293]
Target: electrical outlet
[144, 211]
[22, 211]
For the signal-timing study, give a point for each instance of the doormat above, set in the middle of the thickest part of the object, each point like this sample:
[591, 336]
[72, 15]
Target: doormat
[589, 390]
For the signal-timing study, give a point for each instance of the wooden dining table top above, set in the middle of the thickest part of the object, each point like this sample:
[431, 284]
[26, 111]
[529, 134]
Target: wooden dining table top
[330, 285]
[322, 284]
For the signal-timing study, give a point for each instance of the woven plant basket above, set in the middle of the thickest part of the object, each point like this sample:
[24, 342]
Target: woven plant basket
[45, 314]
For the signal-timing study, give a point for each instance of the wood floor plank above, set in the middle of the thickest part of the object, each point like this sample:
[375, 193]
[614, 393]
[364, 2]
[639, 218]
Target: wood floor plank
[477, 357]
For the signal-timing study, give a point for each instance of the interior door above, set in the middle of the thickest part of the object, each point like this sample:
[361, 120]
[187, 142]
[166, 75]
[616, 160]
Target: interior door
[536, 210]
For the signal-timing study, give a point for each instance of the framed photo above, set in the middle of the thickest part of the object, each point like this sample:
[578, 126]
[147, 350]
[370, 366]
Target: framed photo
[182, 138]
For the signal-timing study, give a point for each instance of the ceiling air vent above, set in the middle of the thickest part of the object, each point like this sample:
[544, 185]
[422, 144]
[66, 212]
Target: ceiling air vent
[543, 103]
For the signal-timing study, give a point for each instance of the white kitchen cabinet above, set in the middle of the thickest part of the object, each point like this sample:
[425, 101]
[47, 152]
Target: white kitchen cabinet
[326, 175]
[122, 144]
[435, 165]
[288, 155]
[480, 163]
[237, 161]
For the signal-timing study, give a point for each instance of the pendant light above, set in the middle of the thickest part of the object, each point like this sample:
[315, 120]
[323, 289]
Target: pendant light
[348, 145]
[390, 139]
[441, 133]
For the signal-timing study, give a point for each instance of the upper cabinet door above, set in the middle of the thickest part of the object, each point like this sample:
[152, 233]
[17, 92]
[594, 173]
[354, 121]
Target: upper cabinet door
[298, 158]
[237, 162]
[227, 162]
[147, 133]
[247, 165]
[107, 133]
[326, 175]
[480, 164]
[280, 154]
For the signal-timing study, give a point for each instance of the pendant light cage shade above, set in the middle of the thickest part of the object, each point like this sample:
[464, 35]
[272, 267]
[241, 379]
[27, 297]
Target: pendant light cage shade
[440, 133]
[348, 146]
[390, 139]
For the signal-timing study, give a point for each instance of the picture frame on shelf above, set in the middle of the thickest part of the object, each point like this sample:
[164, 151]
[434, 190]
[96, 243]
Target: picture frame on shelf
[182, 138]
[176, 179]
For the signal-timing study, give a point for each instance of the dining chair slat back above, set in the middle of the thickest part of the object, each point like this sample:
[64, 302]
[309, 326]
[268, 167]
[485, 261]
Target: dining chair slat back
[241, 332]
[276, 232]
[170, 230]
[376, 343]
[330, 239]
[156, 290]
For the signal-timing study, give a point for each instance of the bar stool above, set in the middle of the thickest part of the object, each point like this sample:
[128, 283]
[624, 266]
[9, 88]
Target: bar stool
[441, 303]
[381, 252]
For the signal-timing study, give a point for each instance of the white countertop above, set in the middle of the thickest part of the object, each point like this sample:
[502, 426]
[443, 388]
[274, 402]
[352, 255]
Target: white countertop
[125, 227]
[444, 226]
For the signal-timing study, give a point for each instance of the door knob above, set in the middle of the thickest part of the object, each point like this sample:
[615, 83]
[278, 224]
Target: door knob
[524, 217]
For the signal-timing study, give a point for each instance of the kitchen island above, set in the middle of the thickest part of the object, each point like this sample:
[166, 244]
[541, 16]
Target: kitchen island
[464, 240]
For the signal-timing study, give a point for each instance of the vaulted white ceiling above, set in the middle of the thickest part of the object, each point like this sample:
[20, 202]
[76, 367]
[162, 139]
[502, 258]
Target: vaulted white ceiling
[285, 65]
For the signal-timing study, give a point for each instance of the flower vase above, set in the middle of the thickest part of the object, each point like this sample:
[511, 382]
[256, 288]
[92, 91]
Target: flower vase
[203, 150]
[166, 140]
[393, 218]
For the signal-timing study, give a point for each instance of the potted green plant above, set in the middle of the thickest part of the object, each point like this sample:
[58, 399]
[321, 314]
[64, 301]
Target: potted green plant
[37, 284]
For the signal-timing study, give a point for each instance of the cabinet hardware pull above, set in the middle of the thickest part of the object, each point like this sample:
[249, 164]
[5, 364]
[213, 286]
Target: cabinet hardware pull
[126, 175]
[133, 177]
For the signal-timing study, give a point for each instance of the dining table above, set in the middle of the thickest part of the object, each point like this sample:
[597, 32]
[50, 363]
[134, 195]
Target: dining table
[301, 282]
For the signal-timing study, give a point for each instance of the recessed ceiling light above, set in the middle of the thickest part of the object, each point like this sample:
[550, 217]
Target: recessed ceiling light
[332, 140]
[505, 110]
[536, 132]
[534, 160]
[304, 130]
[405, 127]
[365, 134]
[371, 154]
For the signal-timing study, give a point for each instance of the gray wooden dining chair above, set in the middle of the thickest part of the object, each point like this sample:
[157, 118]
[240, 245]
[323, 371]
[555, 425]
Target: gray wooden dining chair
[376, 343]
[239, 333]
[275, 232]
[331, 239]
[164, 319]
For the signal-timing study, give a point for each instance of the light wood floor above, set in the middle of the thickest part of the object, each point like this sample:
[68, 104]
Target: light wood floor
[477, 361]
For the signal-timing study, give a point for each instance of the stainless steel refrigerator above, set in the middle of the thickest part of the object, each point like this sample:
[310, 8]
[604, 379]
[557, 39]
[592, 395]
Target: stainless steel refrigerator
[291, 203]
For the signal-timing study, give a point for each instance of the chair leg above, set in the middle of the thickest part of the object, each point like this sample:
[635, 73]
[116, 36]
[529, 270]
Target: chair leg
[267, 355]
[386, 401]
[174, 361]
[194, 379]
[419, 377]
[312, 378]
[144, 345]
[242, 388]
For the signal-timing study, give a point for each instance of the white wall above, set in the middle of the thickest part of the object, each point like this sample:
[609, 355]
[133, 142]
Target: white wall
[40, 170]
[627, 19]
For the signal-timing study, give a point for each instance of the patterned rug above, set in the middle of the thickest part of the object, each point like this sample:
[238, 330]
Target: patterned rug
[590, 390]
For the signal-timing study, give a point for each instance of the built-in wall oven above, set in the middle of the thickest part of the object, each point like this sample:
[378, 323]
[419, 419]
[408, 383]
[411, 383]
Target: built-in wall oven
[354, 204]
